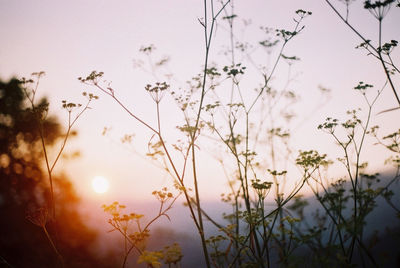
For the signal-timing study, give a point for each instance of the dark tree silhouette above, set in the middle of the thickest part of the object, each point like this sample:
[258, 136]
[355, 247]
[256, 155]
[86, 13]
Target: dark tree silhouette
[24, 189]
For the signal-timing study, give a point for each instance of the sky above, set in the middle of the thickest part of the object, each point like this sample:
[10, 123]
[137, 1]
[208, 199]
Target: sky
[69, 39]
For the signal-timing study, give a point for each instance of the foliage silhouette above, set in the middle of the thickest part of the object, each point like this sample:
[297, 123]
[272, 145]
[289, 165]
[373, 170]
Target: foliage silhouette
[265, 227]
[25, 195]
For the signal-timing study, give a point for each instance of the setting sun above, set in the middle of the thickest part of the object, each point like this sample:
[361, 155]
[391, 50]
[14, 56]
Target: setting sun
[225, 133]
[100, 184]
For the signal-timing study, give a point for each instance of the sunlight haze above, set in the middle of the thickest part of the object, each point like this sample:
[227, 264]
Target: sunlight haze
[69, 39]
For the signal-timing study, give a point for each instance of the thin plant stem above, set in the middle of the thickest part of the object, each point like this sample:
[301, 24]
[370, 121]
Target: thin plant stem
[59, 256]
[376, 50]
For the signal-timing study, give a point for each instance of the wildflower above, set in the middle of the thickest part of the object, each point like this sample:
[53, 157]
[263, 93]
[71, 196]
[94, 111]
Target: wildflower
[172, 254]
[152, 258]
[38, 217]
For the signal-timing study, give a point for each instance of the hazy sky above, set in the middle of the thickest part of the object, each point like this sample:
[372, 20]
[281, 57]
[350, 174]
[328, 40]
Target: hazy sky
[68, 39]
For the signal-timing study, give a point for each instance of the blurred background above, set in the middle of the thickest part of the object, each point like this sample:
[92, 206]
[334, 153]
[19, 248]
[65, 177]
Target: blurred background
[70, 39]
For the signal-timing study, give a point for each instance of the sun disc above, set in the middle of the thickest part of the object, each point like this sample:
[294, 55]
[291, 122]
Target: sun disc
[100, 184]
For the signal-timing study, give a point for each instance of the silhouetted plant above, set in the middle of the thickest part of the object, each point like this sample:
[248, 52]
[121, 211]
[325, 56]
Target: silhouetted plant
[135, 232]
[28, 235]
[267, 226]
[381, 51]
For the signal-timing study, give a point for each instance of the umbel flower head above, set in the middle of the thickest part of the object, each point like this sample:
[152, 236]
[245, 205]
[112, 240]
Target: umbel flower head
[378, 8]
[157, 91]
[38, 217]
